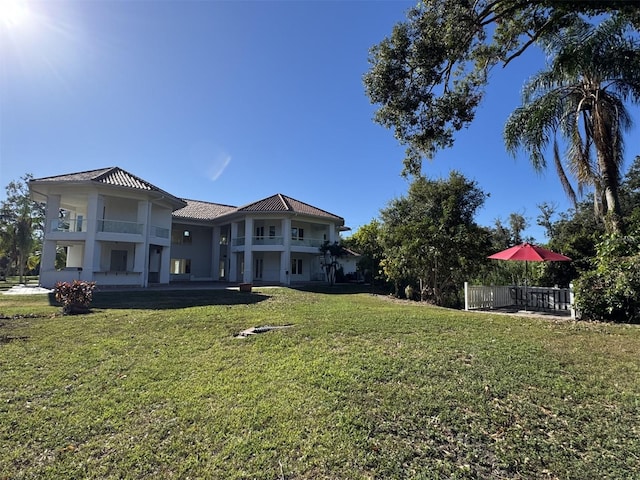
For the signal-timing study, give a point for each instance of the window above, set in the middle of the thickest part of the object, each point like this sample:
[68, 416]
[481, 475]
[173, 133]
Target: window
[118, 261]
[296, 266]
[272, 231]
[180, 266]
[259, 233]
[180, 236]
[297, 233]
[221, 269]
[259, 266]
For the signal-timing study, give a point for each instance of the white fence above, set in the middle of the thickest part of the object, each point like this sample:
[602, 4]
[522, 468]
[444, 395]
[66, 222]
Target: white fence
[478, 297]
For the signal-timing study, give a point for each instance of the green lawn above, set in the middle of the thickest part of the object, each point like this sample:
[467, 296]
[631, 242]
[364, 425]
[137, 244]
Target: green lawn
[154, 385]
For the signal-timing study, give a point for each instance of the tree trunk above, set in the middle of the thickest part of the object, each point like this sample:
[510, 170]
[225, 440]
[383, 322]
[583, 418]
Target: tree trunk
[604, 138]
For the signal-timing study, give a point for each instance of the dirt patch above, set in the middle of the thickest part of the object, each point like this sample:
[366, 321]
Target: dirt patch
[9, 338]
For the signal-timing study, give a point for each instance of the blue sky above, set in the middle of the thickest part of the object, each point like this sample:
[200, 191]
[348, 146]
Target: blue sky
[234, 101]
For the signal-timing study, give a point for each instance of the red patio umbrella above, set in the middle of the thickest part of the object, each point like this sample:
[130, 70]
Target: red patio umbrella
[529, 253]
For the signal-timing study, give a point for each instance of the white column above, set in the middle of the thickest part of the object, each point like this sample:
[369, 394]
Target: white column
[141, 262]
[248, 253]
[165, 265]
[92, 253]
[215, 253]
[332, 233]
[48, 258]
[285, 257]
[233, 257]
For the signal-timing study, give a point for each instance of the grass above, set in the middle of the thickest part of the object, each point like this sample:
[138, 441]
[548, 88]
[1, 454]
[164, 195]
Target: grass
[154, 385]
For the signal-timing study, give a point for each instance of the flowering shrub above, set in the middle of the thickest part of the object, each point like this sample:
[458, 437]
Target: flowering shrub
[74, 295]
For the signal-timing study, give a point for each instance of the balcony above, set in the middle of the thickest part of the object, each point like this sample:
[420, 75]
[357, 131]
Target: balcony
[268, 240]
[117, 226]
[70, 225]
[307, 242]
[240, 241]
[160, 232]
[279, 241]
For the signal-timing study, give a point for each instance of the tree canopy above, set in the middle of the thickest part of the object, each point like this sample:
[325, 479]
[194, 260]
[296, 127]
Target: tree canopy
[429, 76]
[430, 239]
[21, 226]
[594, 70]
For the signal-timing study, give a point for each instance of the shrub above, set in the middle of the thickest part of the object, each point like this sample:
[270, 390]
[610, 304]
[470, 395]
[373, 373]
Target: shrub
[75, 296]
[611, 292]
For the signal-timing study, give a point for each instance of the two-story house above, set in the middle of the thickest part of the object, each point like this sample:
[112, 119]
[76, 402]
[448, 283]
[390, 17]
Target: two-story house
[117, 229]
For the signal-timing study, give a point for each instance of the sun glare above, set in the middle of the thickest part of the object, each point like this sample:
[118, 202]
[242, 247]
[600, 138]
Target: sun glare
[13, 13]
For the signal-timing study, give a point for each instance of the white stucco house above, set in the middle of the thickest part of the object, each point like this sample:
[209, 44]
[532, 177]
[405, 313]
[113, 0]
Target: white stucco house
[118, 229]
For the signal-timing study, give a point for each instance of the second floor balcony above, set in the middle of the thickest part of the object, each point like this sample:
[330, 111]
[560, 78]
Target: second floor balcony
[80, 225]
[118, 226]
[276, 240]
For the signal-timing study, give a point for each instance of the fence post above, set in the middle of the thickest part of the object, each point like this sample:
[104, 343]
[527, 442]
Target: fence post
[572, 302]
[466, 296]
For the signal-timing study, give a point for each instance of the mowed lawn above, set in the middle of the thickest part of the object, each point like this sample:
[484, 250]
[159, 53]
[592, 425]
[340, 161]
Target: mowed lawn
[155, 385]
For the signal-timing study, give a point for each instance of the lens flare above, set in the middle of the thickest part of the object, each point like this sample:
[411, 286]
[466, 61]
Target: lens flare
[13, 13]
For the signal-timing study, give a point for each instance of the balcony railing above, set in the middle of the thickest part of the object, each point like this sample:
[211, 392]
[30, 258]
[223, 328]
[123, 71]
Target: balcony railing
[109, 226]
[117, 226]
[268, 240]
[295, 242]
[160, 232]
[307, 242]
[69, 225]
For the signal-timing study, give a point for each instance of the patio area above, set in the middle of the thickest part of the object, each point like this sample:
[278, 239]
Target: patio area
[519, 298]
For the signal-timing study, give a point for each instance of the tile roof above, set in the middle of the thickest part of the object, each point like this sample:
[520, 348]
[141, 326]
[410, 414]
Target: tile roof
[191, 209]
[282, 203]
[114, 176]
[199, 210]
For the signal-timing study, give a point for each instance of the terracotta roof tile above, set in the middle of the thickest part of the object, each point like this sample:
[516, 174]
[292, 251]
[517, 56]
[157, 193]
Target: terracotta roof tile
[199, 210]
[75, 177]
[282, 203]
[109, 176]
[194, 209]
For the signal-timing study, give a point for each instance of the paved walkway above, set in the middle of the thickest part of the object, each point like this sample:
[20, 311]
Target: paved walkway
[553, 314]
[27, 290]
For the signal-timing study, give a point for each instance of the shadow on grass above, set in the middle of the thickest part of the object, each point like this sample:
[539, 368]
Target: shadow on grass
[337, 289]
[170, 299]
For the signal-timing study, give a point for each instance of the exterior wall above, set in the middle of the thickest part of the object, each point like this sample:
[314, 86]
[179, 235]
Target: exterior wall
[75, 254]
[91, 222]
[270, 266]
[199, 251]
[101, 224]
[348, 264]
[123, 209]
[308, 263]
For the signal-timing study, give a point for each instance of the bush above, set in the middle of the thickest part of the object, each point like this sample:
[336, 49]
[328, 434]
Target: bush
[611, 292]
[75, 297]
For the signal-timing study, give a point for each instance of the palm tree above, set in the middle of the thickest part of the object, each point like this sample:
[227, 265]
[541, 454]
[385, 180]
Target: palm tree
[592, 73]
